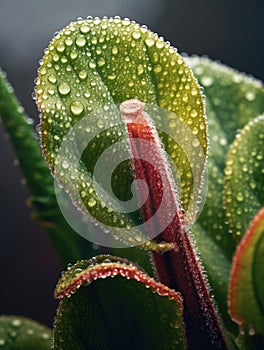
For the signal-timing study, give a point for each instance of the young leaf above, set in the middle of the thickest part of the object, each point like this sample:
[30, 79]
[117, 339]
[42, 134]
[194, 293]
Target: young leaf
[20, 333]
[244, 181]
[37, 174]
[134, 310]
[246, 301]
[95, 64]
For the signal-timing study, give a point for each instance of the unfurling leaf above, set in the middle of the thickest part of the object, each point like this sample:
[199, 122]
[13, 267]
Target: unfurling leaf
[246, 290]
[134, 310]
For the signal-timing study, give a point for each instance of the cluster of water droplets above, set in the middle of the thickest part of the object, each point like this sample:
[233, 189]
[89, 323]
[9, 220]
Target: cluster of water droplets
[244, 184]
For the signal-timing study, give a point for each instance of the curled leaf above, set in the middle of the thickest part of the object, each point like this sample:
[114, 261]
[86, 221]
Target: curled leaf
[99, 312]
[246, 289]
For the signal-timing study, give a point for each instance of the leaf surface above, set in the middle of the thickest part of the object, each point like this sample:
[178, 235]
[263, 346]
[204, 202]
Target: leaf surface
[37, 174]
[246, 301]
[244, 180]
[100, 312]
[20, 333]
[92, 65]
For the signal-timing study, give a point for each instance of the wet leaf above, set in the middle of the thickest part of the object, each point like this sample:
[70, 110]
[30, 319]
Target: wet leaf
[88, 68]
[37, 174]
[244, 181]
[232, 100]
[20, 333]
[100, 312]
[246, 301]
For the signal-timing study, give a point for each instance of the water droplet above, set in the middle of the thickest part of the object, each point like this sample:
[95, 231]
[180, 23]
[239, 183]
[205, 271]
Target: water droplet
[52, 79]
[157, 68]
[207, 81]
[114, 50]
[76, 107]
[45, 336]
[91, 203]
[250, 96]
[140, 69]
[136, 34]
[84, 28]
[82, 74]
[64, 89]
[101, 62]
[16, 322]
[111, 77]
[239, 197]
[194, 113]
[2, 342]
[60, 46]
[149, 41]
[73, 55]
[65, 164]
[68, 41]
[80, 41]
[92, 64]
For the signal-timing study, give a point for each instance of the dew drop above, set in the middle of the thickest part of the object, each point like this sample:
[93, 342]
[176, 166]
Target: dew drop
[92, 64]
[114, 50]
[16, 322]
[2, 342]
[207, 81]
[52, 79]
[80, 41]
[68, 41]
[149, 41]
[82, 74]
[136, 34]
[91, 203]
[64, 89]
[76, 107]
[65, 164]
[250, 96]
[74, 55]
[140, 69]
[84, 29]
[239, 197]
[60, 47]
[194, 113]
[101, 62]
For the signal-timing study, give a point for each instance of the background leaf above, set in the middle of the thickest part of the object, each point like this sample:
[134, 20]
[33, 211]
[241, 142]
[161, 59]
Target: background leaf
[232, 99]
[20, 333]
[67, 243]
[99, 312]
[244, 181]
[93, 64]
[246, 301]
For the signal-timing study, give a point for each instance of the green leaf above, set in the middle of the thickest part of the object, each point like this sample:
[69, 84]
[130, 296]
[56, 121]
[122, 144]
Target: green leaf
[131, 309]
[232, 100]
[37, 174]
[246, 293]
[91, 66]
[244, 181]
[20, 333]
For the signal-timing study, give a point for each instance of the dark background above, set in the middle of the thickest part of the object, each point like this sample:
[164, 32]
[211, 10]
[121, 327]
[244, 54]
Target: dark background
[230, 31]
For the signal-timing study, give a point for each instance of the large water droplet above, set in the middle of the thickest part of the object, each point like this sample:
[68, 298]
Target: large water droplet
[64, 89]
[80, 41]
[76, 107]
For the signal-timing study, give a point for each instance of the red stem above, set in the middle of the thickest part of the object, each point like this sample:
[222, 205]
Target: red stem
[179, 268]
